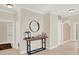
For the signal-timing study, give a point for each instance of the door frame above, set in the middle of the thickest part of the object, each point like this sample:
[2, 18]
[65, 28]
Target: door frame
[13, 32]
[74, 30]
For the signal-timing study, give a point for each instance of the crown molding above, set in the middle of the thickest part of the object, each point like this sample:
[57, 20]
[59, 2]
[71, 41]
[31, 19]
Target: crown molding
[13, 11]
[37, 11]
[71, 15]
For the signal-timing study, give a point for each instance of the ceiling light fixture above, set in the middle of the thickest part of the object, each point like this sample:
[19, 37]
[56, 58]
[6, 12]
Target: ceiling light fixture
[10, 5]
[71, 10]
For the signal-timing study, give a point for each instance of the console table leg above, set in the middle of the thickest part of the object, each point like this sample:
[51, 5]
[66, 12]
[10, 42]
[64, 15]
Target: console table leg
[42, 43]
[28, 47]
[45, 43]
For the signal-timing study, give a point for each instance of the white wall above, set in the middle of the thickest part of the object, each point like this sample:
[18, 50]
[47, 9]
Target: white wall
[9, 32]
[60, 32]
[24, 17]
[52, 27]
[77, 32]
[53, 31]
[46, 28]
[3, 32]
[7, 16]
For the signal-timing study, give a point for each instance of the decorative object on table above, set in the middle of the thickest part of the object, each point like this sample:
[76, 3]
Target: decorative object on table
[44, 34]
[34, 26]
[28, 34]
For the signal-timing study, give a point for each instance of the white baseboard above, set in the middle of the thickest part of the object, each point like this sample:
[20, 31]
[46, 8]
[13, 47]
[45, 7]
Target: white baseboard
[23, 52]
[66, 41]
[50, 48]
[74, 40]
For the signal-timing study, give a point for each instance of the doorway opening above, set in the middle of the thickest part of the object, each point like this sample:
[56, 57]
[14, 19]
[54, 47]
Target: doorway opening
[7, 34]
[66, 33]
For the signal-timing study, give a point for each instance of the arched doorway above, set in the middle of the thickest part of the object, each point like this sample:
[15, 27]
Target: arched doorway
[66, 32]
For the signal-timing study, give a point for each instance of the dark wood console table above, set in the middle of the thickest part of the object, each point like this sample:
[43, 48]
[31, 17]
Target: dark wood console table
[43, 41]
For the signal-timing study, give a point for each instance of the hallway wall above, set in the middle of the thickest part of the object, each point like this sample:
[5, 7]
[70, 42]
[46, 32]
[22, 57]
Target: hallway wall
[52, 26]
[3, 32]
[25, 16]
[72, 19]
[7, 16]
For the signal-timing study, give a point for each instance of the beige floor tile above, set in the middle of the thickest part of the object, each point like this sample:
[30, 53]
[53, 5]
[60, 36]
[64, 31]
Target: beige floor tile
[70, 48]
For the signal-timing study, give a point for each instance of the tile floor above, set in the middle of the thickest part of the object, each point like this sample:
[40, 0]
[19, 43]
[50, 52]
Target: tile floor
[70, 48]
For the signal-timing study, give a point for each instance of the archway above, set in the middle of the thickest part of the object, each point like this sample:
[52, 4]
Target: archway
[66, 32]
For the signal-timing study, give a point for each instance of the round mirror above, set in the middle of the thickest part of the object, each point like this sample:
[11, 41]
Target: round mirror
[34, 26]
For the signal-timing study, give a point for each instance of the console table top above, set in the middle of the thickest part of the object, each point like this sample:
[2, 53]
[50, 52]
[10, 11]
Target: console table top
[35, 38]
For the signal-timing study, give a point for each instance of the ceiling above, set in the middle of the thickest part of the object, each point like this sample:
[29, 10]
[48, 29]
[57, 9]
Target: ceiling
[59, 9]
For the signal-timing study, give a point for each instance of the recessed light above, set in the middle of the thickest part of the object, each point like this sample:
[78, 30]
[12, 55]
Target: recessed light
[10, 5]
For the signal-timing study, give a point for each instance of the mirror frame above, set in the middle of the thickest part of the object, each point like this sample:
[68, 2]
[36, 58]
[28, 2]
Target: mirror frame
[37, 24]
